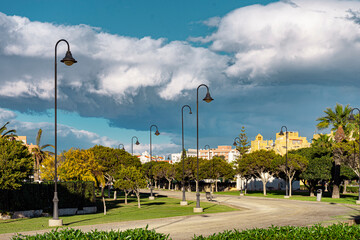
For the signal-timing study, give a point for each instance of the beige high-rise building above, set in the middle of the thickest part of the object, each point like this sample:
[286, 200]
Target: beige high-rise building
[279, 145]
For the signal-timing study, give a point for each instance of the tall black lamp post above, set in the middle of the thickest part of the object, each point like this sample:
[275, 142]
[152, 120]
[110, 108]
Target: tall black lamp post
[207, 99]
[286, 161]
[68, 60]
[157, 133]
[208, 147]
[352, 118]
[132, 143]
[183, 202]
[123, 147]
[241, 183]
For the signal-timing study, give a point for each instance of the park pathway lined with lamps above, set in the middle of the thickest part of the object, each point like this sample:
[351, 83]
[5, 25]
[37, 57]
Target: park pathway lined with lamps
[255, 212]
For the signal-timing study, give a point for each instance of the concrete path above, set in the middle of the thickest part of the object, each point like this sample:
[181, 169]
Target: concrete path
[255, 213]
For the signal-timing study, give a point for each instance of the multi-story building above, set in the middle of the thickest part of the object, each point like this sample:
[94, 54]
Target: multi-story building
[145, 157]
[24, 140]
[279, 145]
[226, 151]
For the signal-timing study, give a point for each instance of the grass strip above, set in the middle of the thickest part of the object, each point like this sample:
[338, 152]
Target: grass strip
[161, 207]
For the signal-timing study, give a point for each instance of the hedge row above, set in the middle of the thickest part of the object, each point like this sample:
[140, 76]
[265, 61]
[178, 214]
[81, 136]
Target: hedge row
[133, 234]
[34, 196]
[333, 232]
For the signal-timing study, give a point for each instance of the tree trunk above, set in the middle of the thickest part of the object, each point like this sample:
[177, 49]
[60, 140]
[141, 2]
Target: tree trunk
[264, 187]
[155, 184]
[138, 197]
[169, 184]
[109, 191]
[189, 187]
[290, 186]
[103, 198]
[115, 196]
[246, 186]
[336, 185]
[126, 195]
[345, 186]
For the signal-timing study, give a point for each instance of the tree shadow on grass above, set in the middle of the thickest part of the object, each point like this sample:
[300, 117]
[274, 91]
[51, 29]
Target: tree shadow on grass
[211, 206]
[153, 203]
[82, 220]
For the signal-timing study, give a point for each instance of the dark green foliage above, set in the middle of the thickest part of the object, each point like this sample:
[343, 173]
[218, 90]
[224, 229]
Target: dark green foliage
[34, 196]
[333, 232]
[71, 234]
[16, 164]
[243, 144]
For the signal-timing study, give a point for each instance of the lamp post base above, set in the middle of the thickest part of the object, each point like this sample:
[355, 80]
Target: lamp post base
[286, 196]
[183, 203]
[357, 201]
[55, 223]
[151, 198]
[198, 210]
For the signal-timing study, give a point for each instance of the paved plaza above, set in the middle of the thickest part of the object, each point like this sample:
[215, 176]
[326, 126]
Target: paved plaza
[254, 213]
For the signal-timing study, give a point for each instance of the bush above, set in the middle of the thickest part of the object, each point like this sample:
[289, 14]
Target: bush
[138, 234]
[34, 196]
[340, 231]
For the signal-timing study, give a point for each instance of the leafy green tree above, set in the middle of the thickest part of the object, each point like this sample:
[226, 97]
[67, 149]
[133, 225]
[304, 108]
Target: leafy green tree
[130, 179]
[16, 164]
[7, 134]
[112, 160]
[296, 164]
[216, 168]
[262, 164]
[243, 145]
[319, 167]
[190, 169]
[39, 155]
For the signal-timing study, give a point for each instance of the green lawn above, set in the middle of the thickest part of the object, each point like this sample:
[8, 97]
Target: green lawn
[301, 195]
[161, 207]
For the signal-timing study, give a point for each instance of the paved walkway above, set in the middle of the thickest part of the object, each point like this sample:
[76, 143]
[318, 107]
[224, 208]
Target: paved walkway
[255, 213]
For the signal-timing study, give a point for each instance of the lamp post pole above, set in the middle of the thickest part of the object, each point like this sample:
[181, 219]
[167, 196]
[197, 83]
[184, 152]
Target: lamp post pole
[208, 147]
[68, 60]
[157, 133]
[132, 142]
[286, 161]
[183, 202]
[123, 147]
[241, 182]
[352, 117]
[207, 99]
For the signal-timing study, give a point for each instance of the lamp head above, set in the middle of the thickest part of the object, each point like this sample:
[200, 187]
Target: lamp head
[157, 133]
[234, 143]
[190, 112]
[281, 133]
[68, 59]
[208, 98]
[137, 142]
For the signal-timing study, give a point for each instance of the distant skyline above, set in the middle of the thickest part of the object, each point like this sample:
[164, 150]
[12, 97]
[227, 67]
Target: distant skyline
[267, 64]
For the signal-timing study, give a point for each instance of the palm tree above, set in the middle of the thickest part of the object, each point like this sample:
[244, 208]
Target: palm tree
[338, 117]
[39, 155]
[7, 134]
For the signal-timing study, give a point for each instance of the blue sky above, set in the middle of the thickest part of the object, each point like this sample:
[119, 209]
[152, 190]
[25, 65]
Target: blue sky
[267, 64]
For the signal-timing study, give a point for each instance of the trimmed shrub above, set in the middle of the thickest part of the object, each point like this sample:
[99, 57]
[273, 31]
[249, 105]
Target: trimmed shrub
[336, 231]
[139, 233]
[34, 196]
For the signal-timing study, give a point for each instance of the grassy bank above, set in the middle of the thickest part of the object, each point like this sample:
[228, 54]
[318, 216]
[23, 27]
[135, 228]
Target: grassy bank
[300, 195]
[161, 207]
